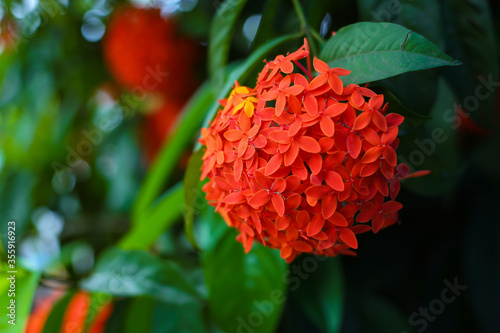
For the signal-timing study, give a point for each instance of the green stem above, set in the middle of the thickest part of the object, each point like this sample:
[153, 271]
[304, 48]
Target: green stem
[304, 26]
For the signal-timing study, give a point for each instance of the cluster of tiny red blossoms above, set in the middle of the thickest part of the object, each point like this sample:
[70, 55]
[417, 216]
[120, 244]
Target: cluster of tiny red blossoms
[303, 164]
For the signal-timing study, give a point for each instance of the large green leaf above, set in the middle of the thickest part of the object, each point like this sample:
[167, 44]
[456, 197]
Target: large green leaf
[166, 162]
[422, 16]
[135, 273]
[221, 33]
[412, 118]
[139, 315]
[434, 147]
[246, 291]
[320, 294]
[155, 220]
[375, 51]
[172, 317]
[16, 297]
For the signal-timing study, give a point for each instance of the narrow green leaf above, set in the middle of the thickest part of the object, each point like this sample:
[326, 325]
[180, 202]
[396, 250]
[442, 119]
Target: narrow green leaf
[321, 294]
[221, 33]
[192, 194]
[266, 25]
[54, 321]
[375, 51]
[16, 297]
[172, 150]
[155, 220]
[137, 273]
[257, 278]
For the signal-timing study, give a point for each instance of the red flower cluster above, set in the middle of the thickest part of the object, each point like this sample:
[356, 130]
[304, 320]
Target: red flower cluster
[144, 50]
[302, 164]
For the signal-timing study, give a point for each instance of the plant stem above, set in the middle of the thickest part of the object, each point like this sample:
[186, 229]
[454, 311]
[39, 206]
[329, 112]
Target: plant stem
[304, 26]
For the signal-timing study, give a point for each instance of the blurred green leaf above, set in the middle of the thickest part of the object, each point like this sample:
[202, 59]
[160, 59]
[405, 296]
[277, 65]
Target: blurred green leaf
[15, 201]
[246, 291]
[395, 106]
[221, 34]
[433, 147]
[56, 316]
[139, 315]
[172, 317]
[375, 51]
[155, 220]
[321, 294]
[377, 315]
[137, 273]
[422, 16]
[266, 25]
[192, 194]
[470, 36]
[22, 294]
[172, 150]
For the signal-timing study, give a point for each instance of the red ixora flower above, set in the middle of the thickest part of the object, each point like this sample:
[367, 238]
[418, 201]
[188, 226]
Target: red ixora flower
[303, 164]
[144, 51]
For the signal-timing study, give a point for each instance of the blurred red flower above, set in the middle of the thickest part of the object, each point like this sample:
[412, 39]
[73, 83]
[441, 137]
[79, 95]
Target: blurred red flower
[75, 315]
[145, 51]
[301, 164]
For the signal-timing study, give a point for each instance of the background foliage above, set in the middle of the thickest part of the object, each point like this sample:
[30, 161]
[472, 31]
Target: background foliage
[110, 220]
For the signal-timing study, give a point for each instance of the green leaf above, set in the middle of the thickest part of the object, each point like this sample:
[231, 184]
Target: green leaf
[221, 33]
[155, 220]
[137, 273]
[184, 317]
[139, 315]
[54, 321]
[246, 291]
[423, 17]
[375, 51]
[434, 147]
[321, 294]
[395, 106]
[21, 292]
[172, 150]
[193, 194]
[266, 25]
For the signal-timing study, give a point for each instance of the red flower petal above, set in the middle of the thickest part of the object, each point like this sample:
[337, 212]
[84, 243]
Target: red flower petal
[315, 225]
[278, 204]
[233, 135]
[308, 144]
[301, 246]
[354, 145]
[327, 126]
[274, 164]
[259, 199]
[348, 237]
[234, 198]
[372, 155]
[334, 180]
[328, 206]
